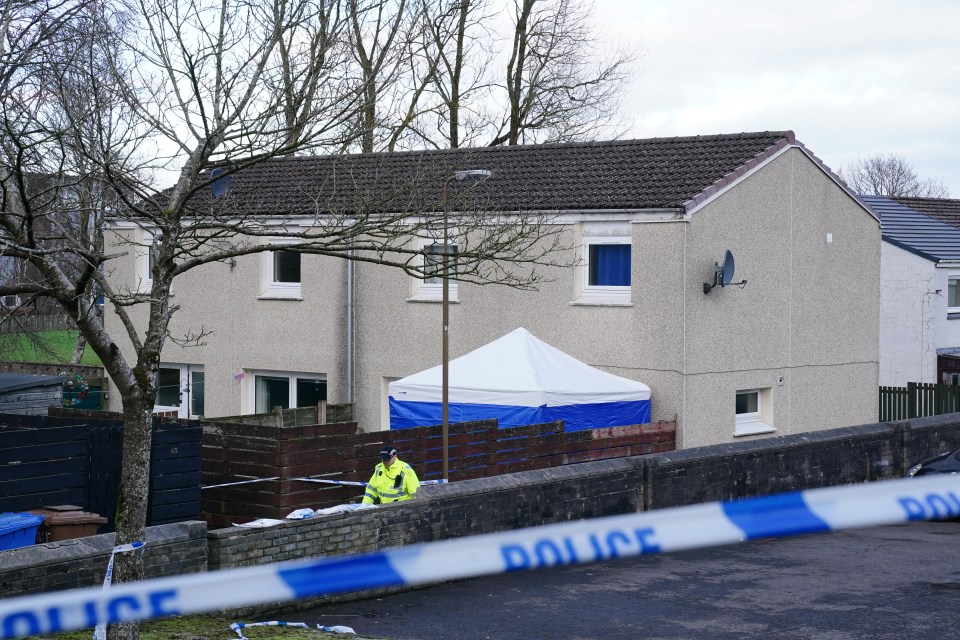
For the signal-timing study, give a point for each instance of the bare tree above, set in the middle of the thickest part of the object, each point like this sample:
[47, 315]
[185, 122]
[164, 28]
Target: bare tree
[458, 47]
[557, 89]
[891, 176]
[117, 92]
[430, 77]
[392, 76]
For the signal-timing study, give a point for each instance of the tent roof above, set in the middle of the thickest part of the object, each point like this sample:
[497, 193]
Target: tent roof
[519, 370]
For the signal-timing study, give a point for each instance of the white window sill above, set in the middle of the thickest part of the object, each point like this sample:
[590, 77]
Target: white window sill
[752, 428]
[280, 295]
[430, 297]
[601, 301]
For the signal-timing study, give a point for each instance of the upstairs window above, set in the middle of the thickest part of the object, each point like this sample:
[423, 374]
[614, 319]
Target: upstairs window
[605, 272]
[953, 295]
[430, 287]
[286, 267]
[146, 260]
[608, 265]
[280, 274]
[433, 263]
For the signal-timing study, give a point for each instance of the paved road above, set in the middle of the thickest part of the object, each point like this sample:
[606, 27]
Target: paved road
[887, 582]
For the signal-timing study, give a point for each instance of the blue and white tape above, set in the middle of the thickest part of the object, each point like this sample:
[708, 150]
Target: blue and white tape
[239, 626]
[100, 630]
[355, 484]
[601, 539]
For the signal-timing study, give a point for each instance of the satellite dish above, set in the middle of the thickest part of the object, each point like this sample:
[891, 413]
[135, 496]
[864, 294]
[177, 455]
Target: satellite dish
[219, 182]
[727, 269]
[723, 274]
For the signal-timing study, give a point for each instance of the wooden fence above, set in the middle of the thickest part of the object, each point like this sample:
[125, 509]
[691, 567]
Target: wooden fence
[918, 400]
[277, 457]
[323, 413]
[32, 322]
[46, 461]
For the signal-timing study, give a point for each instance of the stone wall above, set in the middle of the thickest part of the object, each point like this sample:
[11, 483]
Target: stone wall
[498, 503]
[172, 549]
[572, 492]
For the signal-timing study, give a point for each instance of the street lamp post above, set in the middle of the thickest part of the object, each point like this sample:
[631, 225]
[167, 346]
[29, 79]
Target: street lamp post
[460, 176]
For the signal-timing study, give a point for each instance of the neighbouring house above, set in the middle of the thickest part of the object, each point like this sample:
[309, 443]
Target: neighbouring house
[920, 290]
[793, 347]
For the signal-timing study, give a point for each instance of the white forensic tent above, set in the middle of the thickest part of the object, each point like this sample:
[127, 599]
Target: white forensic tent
[520, 380]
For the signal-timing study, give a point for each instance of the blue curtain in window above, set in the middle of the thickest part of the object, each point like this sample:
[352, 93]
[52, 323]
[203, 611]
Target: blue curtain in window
[610, 265]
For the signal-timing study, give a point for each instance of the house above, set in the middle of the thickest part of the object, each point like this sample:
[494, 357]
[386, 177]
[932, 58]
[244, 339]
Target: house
[920, 290]
[792, 347]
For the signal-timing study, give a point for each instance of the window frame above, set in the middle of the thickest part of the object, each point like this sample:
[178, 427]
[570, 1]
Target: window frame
[420, 289]
[270, 287]
[145, 260]
[953, 281]
[602, 294]
[249, 386]
[754, 422]
[186, 402]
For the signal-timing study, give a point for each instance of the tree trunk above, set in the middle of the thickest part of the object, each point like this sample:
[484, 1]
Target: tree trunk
[78, 348]
[131, 515]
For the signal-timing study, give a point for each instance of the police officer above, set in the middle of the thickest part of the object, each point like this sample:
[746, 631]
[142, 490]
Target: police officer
[392, 480]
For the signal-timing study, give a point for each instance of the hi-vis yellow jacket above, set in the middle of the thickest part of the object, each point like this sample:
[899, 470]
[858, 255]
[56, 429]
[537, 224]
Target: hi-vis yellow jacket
[398, 482]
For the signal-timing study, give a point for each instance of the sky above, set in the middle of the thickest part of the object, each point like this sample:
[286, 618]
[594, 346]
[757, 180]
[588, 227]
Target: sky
[851, 78]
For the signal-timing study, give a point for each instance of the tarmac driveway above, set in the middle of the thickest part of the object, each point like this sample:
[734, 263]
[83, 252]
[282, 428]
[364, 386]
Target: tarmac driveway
[898, 581]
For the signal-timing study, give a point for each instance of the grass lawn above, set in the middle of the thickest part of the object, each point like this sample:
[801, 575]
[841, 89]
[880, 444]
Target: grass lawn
[211, 627]
[54, 347]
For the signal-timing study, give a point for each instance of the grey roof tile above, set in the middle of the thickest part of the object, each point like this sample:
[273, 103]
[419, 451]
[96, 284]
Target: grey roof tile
[656, 173]
[942, 209]
[915, 231]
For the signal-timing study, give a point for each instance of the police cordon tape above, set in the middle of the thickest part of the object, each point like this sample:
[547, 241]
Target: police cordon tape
[601, 539]
[320, 480]
[100, 631]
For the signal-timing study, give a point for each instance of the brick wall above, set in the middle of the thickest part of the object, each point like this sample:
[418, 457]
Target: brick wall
[172, 549]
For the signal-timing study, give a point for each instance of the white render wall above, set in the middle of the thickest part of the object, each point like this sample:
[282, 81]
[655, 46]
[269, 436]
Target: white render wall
[909, 305]
[806, 324]
[945, 329]
[809, 314]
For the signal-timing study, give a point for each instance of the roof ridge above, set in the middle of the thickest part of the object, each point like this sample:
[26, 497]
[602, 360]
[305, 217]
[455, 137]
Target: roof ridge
[743, 135]
[729, 178]
[922, 199]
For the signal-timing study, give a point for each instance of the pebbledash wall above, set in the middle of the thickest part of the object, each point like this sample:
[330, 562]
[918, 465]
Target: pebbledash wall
[588, 490]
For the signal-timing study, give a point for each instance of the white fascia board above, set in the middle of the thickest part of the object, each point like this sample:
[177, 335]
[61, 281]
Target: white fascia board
[948, 264]
[567, 216]
[560, 216]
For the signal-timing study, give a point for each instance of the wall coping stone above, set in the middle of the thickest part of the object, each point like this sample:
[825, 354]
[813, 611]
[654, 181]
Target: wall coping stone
[97, 545]
[914, 424]
[632, 464]
[764, 445]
